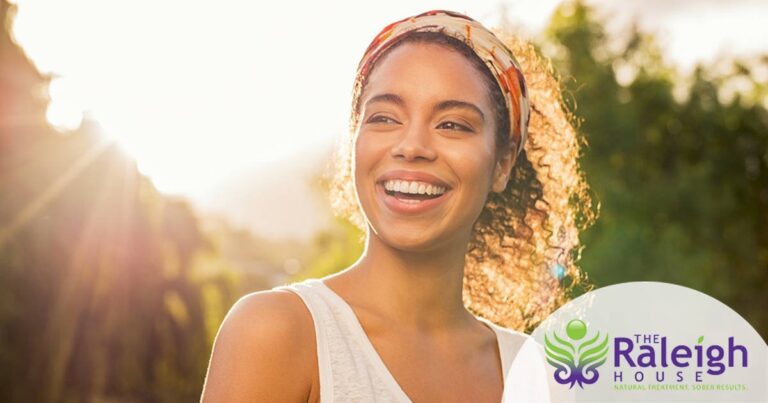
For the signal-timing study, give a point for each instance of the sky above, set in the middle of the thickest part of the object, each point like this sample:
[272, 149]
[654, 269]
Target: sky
[234, 104]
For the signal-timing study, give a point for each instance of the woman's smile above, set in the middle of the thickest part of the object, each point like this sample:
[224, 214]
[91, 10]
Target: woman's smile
[411, 192]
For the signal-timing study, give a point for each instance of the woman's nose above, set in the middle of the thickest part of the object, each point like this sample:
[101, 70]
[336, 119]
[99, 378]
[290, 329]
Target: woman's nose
[414, 143]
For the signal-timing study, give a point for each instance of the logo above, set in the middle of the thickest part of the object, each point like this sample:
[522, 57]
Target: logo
[678, 345]
[576, 362]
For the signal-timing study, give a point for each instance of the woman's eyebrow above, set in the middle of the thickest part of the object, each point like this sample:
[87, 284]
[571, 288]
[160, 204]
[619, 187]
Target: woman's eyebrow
[387, 97]
[447, 104]
[453, 103]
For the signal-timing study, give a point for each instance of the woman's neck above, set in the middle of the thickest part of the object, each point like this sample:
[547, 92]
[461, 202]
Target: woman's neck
[419, 289]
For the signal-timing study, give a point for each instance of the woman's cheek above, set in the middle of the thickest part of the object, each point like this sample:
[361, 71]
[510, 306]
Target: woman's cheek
[476, 180]
[363, 161]
[474, 167]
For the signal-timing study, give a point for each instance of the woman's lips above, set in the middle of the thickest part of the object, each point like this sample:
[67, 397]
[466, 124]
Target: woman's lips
[408, 206]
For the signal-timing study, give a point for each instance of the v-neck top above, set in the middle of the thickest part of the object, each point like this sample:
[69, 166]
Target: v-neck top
[350, 368]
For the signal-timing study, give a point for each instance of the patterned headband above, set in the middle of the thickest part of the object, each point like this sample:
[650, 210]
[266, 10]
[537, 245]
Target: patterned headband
[499, 59]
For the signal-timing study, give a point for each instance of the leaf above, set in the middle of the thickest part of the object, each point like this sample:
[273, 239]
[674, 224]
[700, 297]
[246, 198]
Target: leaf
[595, 354]
[557, 353]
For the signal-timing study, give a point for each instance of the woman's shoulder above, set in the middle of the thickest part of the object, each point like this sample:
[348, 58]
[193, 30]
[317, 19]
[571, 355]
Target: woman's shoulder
[274, 315]
[264, 336]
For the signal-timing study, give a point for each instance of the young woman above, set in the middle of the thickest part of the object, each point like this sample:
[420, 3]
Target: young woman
[465, 180]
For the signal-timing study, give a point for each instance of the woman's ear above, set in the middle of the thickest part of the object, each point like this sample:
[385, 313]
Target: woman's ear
[503, 168]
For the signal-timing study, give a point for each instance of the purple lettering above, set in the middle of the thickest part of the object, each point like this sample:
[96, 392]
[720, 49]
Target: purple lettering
[732, 348]
[680, 352]
[618, 351]
[647, 358]
[714, 355]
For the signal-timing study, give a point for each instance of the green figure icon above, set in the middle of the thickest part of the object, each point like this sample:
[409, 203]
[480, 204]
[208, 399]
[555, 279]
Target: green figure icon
[576, 361]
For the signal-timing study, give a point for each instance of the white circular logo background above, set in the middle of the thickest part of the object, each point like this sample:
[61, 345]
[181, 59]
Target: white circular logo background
[641, 342]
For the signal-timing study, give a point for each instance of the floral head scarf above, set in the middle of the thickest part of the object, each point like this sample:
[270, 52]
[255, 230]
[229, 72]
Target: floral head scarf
[499, 59]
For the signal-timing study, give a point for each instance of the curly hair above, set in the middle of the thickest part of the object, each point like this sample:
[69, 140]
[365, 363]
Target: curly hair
[522, 259]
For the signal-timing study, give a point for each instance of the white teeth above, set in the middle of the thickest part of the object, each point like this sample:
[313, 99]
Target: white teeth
[413, 187]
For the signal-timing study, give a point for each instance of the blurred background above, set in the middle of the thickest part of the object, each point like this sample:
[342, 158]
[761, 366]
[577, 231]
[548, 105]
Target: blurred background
[158, 160]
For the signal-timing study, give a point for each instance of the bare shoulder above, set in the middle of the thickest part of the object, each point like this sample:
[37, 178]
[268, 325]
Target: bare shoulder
[273, 314]
[264, 351]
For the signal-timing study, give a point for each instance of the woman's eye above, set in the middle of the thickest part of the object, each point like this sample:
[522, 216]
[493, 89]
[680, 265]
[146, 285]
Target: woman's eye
[380, 119]
[454, 126]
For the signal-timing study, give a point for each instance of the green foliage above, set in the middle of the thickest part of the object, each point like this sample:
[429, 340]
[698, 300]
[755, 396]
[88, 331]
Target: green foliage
[333, 250]
[683, 183]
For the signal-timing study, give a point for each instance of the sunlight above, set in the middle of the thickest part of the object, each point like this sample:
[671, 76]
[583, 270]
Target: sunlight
[38, 204]
[201, 94]
[65, 110]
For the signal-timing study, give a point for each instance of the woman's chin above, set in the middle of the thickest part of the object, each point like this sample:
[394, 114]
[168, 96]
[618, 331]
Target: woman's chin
[413, 240]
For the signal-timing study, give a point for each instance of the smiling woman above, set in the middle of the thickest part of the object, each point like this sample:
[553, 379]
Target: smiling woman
[461, 168]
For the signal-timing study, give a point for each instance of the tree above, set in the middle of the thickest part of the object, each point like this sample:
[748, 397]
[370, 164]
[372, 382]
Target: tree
[683, 184]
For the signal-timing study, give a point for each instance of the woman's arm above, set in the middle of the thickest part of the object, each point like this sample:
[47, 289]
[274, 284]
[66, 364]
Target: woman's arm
[264, 351]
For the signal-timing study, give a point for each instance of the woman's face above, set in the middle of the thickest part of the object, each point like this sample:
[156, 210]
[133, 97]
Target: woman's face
[425, 157]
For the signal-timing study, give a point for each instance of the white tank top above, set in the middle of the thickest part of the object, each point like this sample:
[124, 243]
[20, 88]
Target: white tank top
[350, 369]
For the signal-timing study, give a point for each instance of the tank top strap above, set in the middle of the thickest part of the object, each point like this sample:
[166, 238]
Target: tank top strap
[509, 342]
[524, 364]
[347, 373]
[320, 318]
